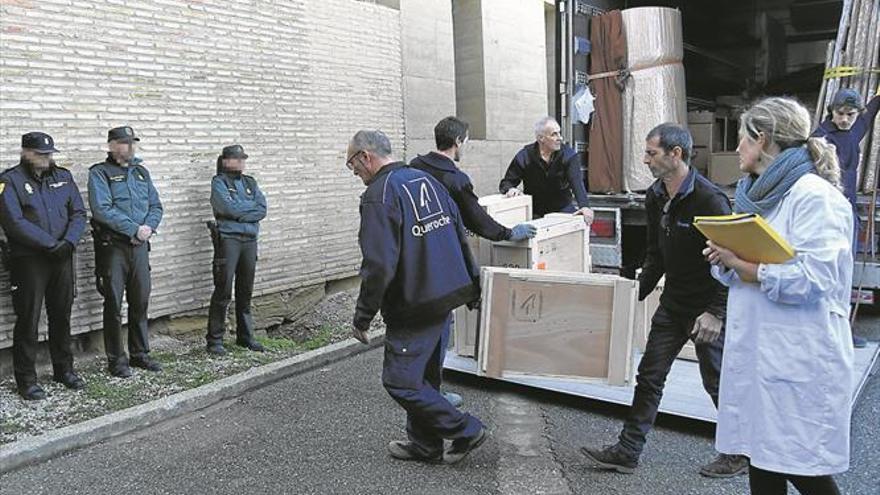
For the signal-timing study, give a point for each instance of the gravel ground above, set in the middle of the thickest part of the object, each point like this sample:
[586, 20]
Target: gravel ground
[186, 365]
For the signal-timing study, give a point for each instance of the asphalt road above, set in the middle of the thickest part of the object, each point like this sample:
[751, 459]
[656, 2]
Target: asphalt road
[325, 432]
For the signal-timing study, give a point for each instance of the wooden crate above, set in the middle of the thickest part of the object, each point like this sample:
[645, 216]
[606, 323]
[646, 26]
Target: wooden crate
[561, 244]
[507, 212]
[573, 326]
[642, 325]
[504, 210]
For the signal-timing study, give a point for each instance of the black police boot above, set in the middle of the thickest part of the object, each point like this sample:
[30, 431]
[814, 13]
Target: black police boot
[145, 362]
[251, 344]
[216, 349]
[70, 380]
[31, 392]
[119, 370]
[461, 447]
[613, 457]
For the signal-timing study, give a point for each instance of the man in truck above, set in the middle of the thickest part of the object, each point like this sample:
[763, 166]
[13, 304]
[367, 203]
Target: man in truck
[693, 304]
[550, 172]
[848, 121]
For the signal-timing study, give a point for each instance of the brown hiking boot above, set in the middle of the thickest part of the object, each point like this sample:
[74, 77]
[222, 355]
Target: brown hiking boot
[726, 466]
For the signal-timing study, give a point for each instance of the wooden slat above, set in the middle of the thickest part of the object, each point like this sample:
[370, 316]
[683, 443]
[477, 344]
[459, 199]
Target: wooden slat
[620, 348]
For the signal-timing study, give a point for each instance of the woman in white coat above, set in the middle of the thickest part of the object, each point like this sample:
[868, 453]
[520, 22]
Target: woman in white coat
[787, 372]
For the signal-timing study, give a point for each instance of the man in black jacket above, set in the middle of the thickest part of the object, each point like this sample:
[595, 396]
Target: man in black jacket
[693, 304]
[550, 171]
[416, 268]
[450, 135]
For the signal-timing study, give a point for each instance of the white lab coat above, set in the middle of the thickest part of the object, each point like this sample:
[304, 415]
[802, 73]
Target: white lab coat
[787, 372]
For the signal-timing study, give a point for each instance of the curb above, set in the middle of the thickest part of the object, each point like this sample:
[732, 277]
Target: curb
[56, 442]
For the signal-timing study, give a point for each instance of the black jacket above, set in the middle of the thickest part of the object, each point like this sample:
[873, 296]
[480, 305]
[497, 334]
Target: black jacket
[462, 191]
[549, 184]
[675, 247]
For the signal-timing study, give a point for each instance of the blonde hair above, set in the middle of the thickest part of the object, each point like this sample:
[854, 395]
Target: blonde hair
[786, 122]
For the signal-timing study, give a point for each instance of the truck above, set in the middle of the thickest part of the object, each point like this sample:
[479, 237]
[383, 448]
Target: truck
[733, 53]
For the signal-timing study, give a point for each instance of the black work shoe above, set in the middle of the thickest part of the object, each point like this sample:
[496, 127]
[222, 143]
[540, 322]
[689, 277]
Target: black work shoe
[32, 392]
[216, 350]
[726, 466]
[461, 447]
[408, 451]
[252, 345]
[119, 370]
[70, 380]
[613, 457]
[145, 362]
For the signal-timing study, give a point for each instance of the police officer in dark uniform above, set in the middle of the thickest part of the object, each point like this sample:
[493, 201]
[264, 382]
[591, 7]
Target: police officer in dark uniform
[450, 135]
[43, 216]
[416, 268]
[550, 172]
[126, 212]
[238, 205]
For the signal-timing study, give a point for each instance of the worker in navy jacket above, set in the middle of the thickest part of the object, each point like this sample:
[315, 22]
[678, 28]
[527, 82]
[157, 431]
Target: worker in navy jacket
[126, 212]
[416, 268]
[43, 217]
[450, 135]
[550, 171]
[847, 123]
[238, 206]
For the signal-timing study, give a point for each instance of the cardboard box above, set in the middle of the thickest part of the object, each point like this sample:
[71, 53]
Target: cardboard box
[724, 168]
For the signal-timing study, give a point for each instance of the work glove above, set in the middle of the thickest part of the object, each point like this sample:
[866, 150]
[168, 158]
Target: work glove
[62, 250]
[523, 231]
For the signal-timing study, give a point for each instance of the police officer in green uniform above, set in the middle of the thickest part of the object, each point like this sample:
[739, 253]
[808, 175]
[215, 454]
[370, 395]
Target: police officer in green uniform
[43, 217]
[126, 212]
[238, 205]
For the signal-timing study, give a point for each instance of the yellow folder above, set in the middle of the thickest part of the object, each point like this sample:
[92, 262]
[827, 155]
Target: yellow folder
[748, 235]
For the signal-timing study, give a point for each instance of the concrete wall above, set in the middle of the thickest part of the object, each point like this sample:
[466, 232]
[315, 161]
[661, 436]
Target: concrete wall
[505, 75]
[429, 81]
[291, 81]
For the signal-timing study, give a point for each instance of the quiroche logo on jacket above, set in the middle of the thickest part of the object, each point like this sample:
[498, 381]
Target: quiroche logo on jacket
[416, 262]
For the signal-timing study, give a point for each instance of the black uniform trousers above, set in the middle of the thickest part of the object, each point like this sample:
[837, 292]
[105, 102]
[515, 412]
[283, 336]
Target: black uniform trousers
[125, 269]
[670, 331]
[35, 278]
[235, 262]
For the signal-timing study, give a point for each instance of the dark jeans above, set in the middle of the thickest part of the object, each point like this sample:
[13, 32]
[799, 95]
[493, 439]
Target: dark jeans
[125, 269]
[34, 279]
[235, 262]
[669, 333]
[769, 483]
[412, 373]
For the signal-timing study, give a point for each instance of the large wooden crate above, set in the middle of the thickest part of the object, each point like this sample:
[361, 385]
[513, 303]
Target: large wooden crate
[507, 212]
[557, 325]
[561, 244]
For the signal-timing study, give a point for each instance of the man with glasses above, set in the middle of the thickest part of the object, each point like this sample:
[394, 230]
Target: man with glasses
[550, 171]
[416, 269]
[43, 216]
[693, 304]
[126, 212]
